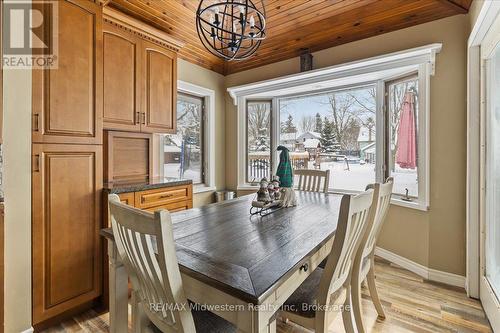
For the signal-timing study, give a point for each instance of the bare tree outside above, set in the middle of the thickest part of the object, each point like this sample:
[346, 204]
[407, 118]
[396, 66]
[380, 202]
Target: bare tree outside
[347, 116]
[307, 124]
[259, 119]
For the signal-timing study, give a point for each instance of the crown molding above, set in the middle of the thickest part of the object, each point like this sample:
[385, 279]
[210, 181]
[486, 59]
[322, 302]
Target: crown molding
[139, 28]
[415, 56]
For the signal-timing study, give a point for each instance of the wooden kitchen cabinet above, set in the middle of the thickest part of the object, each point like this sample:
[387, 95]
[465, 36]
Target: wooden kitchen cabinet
[140, 76]
[67, 101]
[160, 72]
[66, 220]
[123, 79]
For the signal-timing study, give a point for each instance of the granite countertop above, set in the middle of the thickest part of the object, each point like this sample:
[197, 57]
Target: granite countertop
[153, 183]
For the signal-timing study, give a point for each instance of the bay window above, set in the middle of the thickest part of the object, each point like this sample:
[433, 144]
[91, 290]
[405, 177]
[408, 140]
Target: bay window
[364, 121]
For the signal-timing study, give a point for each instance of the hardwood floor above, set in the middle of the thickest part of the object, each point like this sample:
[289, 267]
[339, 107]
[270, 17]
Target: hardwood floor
[411, 304]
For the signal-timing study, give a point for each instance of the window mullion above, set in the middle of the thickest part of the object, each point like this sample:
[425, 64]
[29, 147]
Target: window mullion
[381, 125]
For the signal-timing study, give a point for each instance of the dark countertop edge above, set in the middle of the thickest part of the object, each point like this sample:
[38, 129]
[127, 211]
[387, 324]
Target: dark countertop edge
[127, 188]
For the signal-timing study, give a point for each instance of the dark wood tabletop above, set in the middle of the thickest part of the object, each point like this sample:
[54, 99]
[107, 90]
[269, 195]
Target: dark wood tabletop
[245, 256]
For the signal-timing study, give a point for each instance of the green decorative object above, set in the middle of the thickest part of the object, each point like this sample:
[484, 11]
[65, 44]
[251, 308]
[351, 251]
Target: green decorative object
[285, 168]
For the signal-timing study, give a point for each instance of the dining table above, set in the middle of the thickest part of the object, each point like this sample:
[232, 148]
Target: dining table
[240, 266]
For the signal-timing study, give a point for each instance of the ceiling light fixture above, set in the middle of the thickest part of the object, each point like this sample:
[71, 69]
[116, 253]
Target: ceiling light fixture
[231, 29]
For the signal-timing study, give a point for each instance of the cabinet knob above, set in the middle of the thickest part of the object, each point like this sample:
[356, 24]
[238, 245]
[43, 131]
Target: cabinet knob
[304, 267]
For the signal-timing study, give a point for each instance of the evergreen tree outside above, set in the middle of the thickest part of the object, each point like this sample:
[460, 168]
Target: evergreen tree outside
[319, 123]
[327, 136]
[287, 126]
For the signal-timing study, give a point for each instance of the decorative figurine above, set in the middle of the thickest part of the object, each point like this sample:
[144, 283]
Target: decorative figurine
[263, 193]
[270, 189]
[276, 183]
[285, 175]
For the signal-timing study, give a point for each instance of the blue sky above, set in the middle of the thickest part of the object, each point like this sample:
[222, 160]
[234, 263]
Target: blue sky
[310, 105]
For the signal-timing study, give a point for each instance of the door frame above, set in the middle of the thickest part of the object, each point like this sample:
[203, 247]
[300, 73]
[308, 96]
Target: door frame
[476, 283]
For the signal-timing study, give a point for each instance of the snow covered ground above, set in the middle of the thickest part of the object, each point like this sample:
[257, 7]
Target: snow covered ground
[358, 176]
[172, 170]
[354, 179]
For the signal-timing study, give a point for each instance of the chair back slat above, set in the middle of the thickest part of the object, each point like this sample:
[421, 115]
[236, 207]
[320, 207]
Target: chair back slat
[381, 203]
[146, 246]
[311, 180]
[353, 218]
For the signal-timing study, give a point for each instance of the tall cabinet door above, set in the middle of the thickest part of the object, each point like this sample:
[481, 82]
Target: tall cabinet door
[160, 67]
[67, 101]
[66, 208]
[122, 79]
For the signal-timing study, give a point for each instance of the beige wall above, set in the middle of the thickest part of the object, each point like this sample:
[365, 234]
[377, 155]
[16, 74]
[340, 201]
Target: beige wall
[435, 238]
[474, 10]
[17, 188]
[208, 79]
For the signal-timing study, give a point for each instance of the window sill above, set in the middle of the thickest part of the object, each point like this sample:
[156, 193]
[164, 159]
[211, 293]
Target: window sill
[410, 204]
[394, 201]
[202, 188]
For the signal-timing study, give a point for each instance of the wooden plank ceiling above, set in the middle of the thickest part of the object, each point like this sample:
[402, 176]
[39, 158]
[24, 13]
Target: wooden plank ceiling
[293, 24]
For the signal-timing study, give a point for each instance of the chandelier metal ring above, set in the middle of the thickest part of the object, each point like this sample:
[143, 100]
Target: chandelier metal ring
[231, 29]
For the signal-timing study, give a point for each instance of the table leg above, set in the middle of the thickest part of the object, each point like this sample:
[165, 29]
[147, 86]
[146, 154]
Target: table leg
[118, 292]
[271, 328]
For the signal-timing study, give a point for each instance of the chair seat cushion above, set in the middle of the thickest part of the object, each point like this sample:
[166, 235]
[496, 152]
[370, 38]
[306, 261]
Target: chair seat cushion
[302, 302]
[206, 322]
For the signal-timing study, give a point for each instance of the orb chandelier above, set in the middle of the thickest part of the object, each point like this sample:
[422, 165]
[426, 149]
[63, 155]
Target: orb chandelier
[231, 29]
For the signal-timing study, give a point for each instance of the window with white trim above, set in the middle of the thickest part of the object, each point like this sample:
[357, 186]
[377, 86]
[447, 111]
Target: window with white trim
[258, 140]
[183, 151]
[190, 152]
[402, 136]
[344, 131]
[379, 108]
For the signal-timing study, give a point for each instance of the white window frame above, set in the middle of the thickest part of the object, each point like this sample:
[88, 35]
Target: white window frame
[208, 96]
[420, 60]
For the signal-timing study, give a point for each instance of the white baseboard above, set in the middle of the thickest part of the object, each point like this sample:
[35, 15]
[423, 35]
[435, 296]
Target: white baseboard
[421, 270]
[29, 330]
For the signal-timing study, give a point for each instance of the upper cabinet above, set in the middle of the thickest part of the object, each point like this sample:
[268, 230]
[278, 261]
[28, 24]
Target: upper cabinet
[140, 76]
[160, 89]
[122, 79]
[67, 101]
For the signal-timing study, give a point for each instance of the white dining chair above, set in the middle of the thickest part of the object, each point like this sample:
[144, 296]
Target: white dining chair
[326, 291]
[364, 263]
[312, 180]
[146, 247]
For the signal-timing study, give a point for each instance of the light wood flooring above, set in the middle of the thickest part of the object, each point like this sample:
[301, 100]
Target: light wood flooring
[411, 305]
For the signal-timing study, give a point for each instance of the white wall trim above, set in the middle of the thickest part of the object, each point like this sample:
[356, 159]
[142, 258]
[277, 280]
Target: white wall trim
[412, 266]
[209, 139]
[421, 270]
[485, 19]
[29, 330]
[490, 304]
[489, 11]
[415, 56]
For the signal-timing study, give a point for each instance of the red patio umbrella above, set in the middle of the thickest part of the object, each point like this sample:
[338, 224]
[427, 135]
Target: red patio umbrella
[406, 154]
